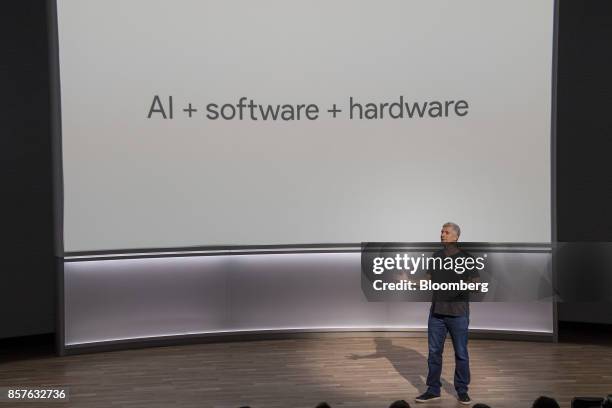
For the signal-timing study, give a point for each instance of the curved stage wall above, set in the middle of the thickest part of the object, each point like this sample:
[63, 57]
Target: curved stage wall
[114, 302]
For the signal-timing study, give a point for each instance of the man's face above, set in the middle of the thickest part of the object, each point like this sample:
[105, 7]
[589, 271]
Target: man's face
[448, 234]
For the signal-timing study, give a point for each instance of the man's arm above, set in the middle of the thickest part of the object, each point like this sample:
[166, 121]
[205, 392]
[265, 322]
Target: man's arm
[473, 276]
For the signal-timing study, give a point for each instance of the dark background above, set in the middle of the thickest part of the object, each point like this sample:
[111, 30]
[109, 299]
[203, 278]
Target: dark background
[28, 288]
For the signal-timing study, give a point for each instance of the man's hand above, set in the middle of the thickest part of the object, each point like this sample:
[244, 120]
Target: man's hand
[399, 276]
[474, 279]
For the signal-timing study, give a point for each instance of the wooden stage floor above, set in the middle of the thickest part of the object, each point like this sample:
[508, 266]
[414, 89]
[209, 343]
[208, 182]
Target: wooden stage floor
[345, 372]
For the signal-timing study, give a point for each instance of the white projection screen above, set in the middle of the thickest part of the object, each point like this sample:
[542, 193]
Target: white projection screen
[140, 172]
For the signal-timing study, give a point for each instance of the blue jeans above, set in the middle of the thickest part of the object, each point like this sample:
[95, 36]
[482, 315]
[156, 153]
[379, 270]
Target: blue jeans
[437, 327]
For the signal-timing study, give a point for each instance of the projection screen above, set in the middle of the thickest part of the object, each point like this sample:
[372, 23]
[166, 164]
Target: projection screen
[196, 123]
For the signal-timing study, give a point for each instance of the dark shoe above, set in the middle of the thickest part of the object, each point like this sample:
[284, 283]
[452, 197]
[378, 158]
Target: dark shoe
[427, 397]
[464, 398]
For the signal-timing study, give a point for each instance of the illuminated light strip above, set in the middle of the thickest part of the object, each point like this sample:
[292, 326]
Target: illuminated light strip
[287, 250]
[213, 252]
[300, 330]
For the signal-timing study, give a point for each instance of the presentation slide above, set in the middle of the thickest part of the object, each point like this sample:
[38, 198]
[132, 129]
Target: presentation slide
[201, 123]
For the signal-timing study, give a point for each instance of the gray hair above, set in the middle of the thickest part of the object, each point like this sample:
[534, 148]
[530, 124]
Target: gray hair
[453, 226]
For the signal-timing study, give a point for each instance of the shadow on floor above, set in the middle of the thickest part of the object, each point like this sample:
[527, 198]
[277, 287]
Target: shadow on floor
[406, 361]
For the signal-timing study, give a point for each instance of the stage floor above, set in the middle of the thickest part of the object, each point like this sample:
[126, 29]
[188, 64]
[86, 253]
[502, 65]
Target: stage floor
[345, 372]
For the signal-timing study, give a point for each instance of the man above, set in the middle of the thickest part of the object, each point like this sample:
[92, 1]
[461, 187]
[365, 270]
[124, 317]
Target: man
[449, 313]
